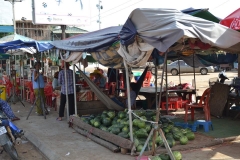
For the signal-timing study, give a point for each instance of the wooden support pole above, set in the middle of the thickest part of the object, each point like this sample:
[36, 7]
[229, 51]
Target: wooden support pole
[160, 99]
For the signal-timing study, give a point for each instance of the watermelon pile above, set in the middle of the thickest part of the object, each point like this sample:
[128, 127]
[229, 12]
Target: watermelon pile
[118, 123]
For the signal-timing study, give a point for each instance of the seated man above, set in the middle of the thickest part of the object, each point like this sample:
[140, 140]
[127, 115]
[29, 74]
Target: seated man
[5, 107]
[99, 80]
[123, 101]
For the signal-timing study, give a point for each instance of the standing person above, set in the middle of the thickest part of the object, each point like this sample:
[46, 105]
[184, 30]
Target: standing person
[38, 86]
[70, 94]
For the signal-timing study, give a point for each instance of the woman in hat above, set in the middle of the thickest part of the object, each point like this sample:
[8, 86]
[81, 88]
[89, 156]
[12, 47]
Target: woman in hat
[100, 80]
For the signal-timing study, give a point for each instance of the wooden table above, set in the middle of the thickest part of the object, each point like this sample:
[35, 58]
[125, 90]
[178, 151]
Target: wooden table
[150, 94]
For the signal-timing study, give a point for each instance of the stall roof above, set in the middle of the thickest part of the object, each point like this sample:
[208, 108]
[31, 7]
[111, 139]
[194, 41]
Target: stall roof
[232, 21]
[163, 29]
[201, 13]
[15, 41]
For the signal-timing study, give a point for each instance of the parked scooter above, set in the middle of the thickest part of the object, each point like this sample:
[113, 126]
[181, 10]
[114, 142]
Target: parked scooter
[10, 135]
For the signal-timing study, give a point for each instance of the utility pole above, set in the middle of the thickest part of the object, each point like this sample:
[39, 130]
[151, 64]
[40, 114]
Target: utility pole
[13, 10]
[99, 7]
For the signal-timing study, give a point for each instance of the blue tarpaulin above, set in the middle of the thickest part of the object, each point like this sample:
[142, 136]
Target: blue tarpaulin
[16, 41]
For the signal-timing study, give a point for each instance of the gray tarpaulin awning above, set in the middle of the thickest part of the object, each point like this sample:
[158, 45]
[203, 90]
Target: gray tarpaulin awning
[160, 28]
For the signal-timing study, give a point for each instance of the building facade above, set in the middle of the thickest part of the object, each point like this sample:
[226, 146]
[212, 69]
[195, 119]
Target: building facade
[38, 32]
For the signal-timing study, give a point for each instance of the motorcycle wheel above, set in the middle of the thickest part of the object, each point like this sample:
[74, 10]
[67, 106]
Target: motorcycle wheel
[10, 149]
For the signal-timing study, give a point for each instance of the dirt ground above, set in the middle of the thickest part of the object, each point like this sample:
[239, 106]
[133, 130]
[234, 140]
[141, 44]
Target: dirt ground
[26, 151]
[226, 151]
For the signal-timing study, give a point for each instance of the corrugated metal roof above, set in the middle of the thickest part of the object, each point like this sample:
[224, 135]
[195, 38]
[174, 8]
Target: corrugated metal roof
[6, 29]
[71, 30]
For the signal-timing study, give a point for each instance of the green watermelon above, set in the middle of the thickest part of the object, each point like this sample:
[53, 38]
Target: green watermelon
[136, 141]
[111, 114]
[141, 133]
[115, 130]
[106, 122]
[190, 136]
[96, 124]
[123, 134]
[121, 114]
[139, 148]
[177, 155]
[156, 158]
[183, 140]
[125, 129]
[164, 156]
[141, 124]
[135, 122]
[103, 128]
[177, 135]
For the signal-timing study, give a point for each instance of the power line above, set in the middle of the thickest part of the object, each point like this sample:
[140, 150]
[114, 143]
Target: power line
[220, 5]
[113, 8]
[119, 10]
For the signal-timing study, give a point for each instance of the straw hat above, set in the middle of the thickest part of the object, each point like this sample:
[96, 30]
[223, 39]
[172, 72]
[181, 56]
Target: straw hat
[96, 72]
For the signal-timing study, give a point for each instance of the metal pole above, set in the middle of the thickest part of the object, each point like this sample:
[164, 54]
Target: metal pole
[129, 101]
[14, 22]
[99, 8]
[166, 87]
[74, 86]
[179, 71]
[23, 79]
[194, 75]
[66, 93]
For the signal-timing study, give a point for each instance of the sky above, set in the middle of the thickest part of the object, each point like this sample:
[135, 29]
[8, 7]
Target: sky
[115, 12]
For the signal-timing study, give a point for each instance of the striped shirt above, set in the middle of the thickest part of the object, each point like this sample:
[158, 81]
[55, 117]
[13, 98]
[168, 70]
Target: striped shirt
[61, 81]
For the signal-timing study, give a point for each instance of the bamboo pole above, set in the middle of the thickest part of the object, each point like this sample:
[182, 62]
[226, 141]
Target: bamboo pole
[157, 107]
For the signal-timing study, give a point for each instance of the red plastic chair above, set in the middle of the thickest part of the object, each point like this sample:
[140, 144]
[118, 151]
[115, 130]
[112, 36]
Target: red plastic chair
[8, 87]
[147, 79]
[30, 92]
[49, 95]
[203, 103]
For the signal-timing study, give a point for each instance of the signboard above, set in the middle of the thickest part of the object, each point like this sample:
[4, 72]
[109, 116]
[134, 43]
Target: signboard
[61, 12]
[6, 13]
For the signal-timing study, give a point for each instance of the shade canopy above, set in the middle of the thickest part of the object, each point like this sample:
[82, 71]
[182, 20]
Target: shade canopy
[201, 13]
[15, 41]
[233, 20]
[145, 29]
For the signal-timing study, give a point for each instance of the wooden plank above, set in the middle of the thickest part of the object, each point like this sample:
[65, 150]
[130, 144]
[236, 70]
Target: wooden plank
[90, 111]
[90, 107]
[90, 104]
[106, 144]
[117, 140]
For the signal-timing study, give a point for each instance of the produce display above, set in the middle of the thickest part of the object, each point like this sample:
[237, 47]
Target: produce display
[118, 123]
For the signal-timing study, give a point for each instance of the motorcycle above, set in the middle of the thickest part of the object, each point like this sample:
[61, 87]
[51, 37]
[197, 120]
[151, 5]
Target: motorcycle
[10, 135]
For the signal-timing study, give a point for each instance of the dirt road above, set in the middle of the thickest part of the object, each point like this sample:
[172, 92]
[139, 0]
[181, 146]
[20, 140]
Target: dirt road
[26, 151]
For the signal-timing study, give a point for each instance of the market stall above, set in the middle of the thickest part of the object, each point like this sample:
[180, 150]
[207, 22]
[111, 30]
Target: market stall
[131, 45]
